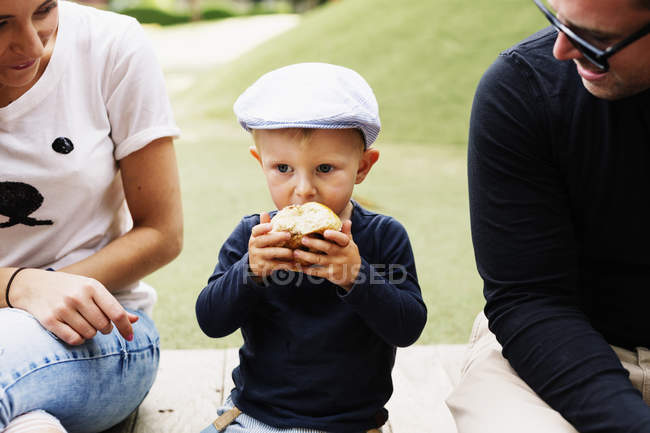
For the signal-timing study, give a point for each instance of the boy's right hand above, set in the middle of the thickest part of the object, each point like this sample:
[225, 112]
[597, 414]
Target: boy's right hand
[264, 256]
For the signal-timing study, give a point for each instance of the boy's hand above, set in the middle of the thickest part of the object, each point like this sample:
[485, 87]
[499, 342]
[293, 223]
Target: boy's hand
[264, 256]
[340, 261]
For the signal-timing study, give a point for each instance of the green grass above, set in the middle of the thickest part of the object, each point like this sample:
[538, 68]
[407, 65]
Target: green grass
[170, 17]
[423, 59]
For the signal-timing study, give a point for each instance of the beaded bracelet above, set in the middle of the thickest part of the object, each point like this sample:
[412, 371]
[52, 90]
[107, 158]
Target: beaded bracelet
[11, 279]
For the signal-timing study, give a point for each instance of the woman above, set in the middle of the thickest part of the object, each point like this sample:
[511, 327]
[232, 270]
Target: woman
[89, 190]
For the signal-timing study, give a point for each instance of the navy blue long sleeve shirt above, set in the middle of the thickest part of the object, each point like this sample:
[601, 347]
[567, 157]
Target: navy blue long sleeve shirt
[559, 185]
[314, 355]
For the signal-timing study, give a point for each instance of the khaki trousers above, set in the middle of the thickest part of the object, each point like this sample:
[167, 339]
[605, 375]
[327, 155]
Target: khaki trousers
[491, 397]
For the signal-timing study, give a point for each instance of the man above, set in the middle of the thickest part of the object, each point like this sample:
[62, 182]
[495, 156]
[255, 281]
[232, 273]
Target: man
[559, 182]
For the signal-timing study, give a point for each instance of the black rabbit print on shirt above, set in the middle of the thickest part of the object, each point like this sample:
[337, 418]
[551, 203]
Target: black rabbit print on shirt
[18, 200]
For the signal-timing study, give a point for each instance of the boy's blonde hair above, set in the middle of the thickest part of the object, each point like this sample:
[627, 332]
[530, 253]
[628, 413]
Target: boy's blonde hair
[305, 136]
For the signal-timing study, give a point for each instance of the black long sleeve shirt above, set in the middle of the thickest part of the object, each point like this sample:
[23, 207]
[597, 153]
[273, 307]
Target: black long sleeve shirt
[314, 355]
[559, 185]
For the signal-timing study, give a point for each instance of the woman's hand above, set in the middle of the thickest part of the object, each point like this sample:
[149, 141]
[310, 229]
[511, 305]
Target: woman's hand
[264, 256]
[72, 307]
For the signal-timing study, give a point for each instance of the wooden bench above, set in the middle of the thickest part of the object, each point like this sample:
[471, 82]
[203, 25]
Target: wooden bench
[192, 384]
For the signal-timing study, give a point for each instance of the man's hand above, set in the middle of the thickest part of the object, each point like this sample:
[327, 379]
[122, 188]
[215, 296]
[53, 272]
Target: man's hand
[339, 260]
[72, 307]
[264, 256]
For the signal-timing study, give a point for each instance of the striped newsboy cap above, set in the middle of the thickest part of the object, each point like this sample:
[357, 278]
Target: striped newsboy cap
[310, 95]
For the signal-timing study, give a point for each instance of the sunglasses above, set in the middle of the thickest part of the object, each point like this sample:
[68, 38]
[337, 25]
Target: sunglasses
[594, 54]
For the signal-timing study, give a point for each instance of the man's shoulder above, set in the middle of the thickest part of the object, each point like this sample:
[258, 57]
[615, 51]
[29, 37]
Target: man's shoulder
[534, 56]
[538, 44]
[529, 69]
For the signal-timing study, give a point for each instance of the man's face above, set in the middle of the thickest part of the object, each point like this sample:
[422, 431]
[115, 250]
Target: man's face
[604, 23]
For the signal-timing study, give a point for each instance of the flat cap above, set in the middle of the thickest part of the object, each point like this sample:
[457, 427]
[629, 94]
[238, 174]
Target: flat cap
[310, 95]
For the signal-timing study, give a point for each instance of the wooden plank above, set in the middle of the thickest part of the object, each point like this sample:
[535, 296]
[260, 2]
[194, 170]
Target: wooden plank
[231, 360]
[192, 384]
[186, 394]
[422, 381]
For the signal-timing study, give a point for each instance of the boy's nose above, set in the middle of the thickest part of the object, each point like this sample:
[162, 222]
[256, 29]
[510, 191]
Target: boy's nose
[305, 189]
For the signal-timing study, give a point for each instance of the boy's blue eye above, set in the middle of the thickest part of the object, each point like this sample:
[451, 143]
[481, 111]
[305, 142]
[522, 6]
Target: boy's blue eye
[283, 168]
[324, 168]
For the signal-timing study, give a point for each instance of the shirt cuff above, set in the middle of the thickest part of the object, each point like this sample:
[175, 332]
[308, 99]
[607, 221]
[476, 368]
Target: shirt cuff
[358, 294]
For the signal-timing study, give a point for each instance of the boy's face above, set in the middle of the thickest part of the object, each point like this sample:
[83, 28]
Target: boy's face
[323, 167]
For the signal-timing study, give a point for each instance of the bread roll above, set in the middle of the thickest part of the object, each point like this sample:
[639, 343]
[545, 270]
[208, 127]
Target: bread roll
[307, 219]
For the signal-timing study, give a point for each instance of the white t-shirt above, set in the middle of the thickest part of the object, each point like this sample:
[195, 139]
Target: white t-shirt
[101, 97]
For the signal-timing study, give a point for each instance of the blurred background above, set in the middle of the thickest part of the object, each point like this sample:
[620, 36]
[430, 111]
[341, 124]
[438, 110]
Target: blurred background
[169, 12]
[423, 59]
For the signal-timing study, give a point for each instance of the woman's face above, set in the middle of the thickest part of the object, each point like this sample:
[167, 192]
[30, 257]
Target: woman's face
[27, 30]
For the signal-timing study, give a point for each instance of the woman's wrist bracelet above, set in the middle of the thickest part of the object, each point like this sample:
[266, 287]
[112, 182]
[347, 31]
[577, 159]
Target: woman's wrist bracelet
[11, 279]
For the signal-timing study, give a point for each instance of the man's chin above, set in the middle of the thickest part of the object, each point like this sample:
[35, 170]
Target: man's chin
[598, 91]
[612, 88]
[608, 91]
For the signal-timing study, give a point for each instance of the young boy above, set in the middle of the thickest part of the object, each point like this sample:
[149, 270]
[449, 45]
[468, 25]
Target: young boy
[319, 339]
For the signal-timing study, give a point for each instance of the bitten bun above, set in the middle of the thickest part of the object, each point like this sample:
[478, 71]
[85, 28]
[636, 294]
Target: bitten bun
[307, 219]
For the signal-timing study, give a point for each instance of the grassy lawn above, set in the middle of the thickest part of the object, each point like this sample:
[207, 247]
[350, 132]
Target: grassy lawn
[423, 58]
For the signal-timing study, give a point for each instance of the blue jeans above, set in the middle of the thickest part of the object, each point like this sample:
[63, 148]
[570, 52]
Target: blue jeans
[89, 388]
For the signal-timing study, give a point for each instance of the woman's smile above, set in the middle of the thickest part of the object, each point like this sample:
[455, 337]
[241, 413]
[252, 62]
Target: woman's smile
[24, 65]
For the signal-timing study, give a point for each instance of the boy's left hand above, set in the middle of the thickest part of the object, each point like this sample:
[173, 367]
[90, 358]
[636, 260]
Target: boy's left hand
[340, 261]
